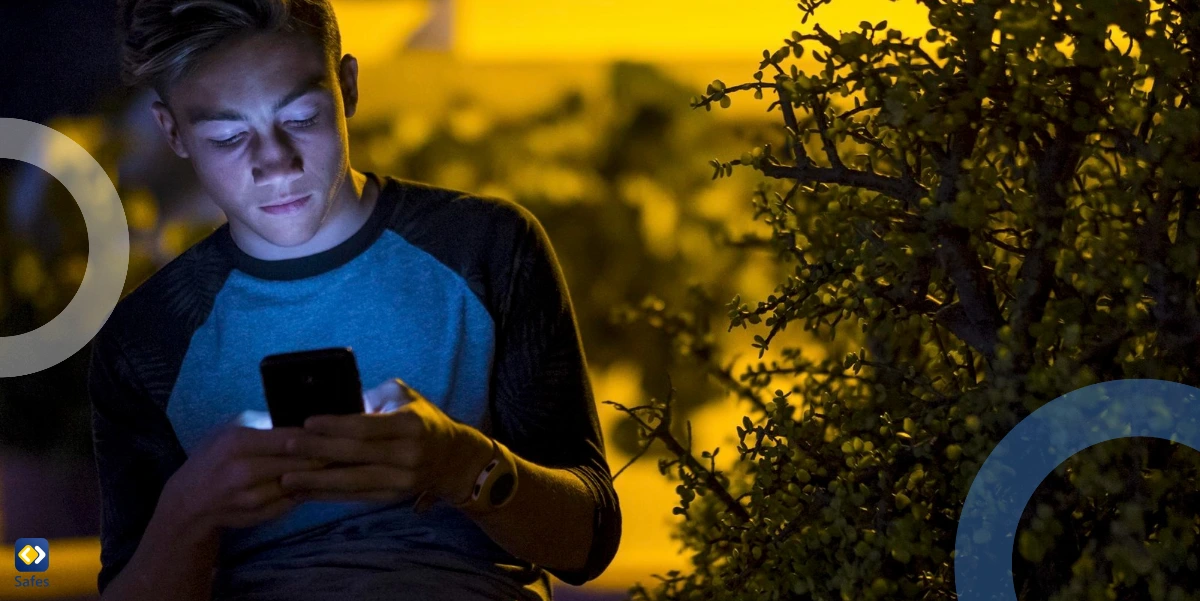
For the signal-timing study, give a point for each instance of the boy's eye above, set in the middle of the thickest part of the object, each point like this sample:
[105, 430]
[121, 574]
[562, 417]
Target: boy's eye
[234, 140]
[226, 141]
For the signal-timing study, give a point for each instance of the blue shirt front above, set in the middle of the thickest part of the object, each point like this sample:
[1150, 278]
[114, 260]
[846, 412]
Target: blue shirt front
[437, 337]
[459, 296]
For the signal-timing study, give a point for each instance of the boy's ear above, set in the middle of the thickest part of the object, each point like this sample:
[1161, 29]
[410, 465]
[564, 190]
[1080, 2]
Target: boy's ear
[166, 122]
[348, 82]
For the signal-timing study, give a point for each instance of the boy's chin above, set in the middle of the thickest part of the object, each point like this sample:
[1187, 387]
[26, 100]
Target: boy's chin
[287, 233]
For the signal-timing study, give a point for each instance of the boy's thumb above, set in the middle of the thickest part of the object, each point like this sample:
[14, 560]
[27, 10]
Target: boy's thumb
[388, 396]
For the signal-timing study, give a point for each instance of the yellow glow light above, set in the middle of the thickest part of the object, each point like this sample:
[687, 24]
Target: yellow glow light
[660, 30]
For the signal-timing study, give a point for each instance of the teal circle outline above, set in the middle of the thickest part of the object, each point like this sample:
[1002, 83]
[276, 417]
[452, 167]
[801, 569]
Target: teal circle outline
[1040, 443]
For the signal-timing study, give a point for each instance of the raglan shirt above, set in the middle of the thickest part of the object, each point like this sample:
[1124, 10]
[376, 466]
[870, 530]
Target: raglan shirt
[459, 295]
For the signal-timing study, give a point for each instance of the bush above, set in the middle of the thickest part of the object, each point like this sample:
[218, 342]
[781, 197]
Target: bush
[996, 213]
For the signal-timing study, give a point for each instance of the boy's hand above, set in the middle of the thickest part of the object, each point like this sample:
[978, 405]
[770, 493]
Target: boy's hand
[403, 445]
[233, 479]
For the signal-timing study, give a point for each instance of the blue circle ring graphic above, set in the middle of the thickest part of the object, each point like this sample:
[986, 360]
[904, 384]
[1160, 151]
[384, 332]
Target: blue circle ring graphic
[1039, 444]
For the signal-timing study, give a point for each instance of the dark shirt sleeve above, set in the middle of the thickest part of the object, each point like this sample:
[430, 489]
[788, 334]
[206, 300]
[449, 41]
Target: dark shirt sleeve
[545, 411]
[136, 452]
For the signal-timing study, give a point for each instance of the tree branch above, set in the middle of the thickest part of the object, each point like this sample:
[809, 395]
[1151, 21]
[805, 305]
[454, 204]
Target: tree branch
[662, 431]
[906, 190]
[979, 321]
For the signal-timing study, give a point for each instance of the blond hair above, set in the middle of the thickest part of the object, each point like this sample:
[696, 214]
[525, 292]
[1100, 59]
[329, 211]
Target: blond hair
[162, 40]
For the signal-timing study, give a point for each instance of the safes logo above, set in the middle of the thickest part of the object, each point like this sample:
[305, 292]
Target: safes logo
[33, 554]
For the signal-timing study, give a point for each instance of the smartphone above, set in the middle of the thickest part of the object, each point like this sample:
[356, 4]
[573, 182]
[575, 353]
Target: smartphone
[301, 384]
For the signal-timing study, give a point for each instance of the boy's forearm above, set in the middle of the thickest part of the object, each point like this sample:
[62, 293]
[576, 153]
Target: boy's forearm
[174, 560]
[548, 521]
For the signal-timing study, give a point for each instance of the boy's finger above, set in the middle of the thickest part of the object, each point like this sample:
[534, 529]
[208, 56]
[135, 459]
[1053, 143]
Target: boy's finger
[389, 396]
[251, 442]
[396, 424]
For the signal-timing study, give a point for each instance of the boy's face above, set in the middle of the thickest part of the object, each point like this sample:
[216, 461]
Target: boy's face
[263, 120]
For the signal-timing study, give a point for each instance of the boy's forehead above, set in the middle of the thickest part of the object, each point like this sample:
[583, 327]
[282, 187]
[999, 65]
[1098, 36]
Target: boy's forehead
[261, 68]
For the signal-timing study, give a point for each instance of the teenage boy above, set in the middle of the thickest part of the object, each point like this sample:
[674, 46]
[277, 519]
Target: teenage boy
[479, 466]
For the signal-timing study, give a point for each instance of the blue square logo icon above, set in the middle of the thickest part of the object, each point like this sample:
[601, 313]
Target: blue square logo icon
[32, 554]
